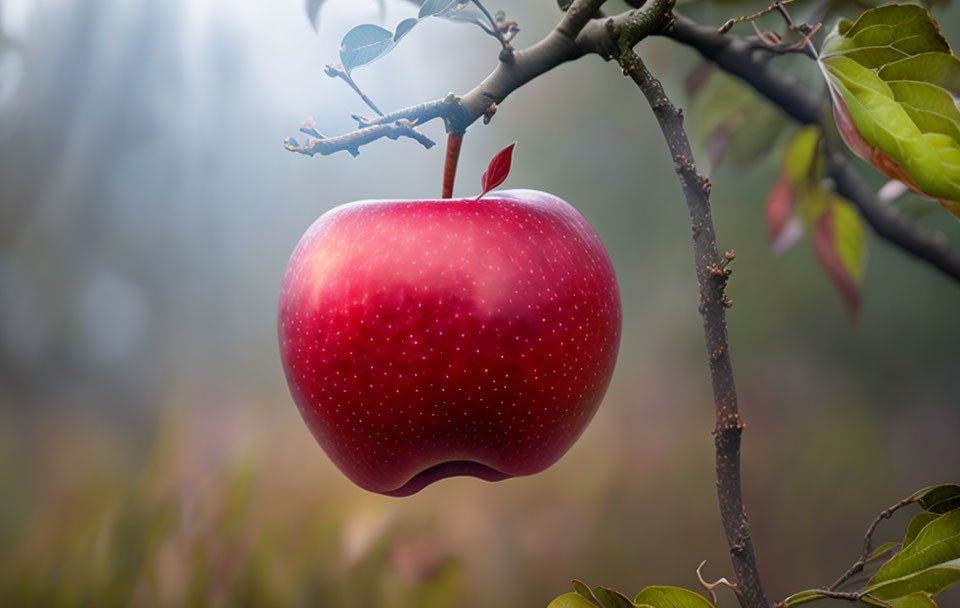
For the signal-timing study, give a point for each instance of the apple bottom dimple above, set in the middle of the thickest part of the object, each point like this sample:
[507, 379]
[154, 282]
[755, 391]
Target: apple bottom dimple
[453, 468]
[409, 386]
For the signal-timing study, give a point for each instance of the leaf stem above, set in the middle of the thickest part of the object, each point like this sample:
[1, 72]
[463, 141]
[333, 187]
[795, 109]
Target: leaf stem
[493, 24]
[732, 22]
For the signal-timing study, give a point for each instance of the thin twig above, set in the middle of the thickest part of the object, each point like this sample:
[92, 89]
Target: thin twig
[494, 25]
[858, 565]
[336, 71]
[732, 22]
[851, 596]
[712, 276]
[806, 31]
[712, 586]
[351, 142]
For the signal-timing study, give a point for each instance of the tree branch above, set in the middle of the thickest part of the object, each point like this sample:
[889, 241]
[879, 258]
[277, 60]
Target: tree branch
[576, 35]
[741, 58]
[336, 71]
[858, 565]
[352, 141]
[712, 276]
[851, 596]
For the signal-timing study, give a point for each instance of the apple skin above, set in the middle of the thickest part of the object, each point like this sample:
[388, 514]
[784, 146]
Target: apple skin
[426, 339]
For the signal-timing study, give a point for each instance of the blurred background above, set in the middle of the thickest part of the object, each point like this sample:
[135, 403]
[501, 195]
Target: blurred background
[150, 453]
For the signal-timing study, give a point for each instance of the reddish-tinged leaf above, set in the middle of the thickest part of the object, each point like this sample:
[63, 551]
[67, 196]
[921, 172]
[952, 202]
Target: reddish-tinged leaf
[779, 206]
[838, 244]
[497, 171]
[894, 83]
[860, 147]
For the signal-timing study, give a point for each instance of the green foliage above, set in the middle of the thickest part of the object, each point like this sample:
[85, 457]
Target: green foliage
[938, 499]
[571, 600]
[895, 85]
[657, 596]
[927, 563]
[367, 42]
[671, 597]
[732, 120]
[799, 199]
[930, 563]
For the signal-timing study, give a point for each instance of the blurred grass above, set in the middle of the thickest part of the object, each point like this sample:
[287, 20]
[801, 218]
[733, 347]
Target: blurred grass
[227, 506]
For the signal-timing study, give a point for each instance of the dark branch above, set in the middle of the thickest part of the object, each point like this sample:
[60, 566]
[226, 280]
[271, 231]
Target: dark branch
[712, 276]
[740, 57]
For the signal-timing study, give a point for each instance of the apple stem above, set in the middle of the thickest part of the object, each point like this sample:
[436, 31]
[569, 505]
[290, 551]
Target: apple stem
[454, 140]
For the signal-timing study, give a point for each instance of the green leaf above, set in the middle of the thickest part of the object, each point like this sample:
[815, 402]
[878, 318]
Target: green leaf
[801, 154]
[404, 28]
[838, 242]
[881, 551]
[671, 597]
[610, 598]
[931, 563]
[733, 121]
[802, 165]
[571, 600]
[435, 7]
[917, 524]
[939, 499]
[364, 44]
[895, 86]
[914, 600]
[581, 588]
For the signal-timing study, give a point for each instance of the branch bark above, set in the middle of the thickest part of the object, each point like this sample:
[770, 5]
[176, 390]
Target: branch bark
[712, 275]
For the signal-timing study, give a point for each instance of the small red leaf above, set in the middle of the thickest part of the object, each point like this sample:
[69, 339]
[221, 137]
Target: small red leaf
[497, 171]
[824, 239]
[779, 206]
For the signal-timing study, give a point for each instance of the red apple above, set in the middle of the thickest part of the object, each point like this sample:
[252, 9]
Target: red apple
[426, 339]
